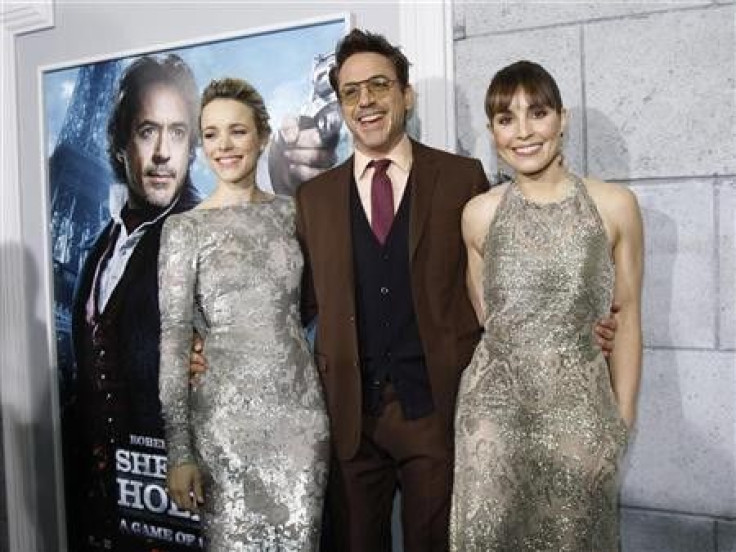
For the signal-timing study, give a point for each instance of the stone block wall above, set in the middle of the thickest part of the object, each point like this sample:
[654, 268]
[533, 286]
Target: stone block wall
[650, 90]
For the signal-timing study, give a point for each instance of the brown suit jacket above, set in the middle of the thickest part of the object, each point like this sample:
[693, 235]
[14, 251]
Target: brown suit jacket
[440, 183]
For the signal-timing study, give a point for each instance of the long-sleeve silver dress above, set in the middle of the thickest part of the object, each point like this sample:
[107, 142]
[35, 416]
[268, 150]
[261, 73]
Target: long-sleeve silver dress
[538, 433]
[256, 424]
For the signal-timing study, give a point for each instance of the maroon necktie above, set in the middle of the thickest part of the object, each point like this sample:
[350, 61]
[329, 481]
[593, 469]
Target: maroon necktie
[382, 199]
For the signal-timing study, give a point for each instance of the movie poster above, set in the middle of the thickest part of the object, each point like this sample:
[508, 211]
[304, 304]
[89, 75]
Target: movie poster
[115, 482]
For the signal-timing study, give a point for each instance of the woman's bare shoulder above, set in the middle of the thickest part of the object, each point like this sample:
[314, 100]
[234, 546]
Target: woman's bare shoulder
[487, 201]
[478, 214]
[606, 189]
[609, 195]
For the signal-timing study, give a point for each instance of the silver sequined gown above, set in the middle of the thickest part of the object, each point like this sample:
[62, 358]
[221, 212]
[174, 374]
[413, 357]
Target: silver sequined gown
[538, 433]
[256, 424]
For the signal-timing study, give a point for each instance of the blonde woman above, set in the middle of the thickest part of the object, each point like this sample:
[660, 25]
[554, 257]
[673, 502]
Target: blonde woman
[248, 446]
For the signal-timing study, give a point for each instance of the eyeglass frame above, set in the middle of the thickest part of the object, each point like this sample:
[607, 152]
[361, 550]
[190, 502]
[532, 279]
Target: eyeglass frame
[367, 83]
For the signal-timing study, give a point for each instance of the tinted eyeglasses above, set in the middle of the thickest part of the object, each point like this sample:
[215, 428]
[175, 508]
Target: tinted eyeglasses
[378, 87]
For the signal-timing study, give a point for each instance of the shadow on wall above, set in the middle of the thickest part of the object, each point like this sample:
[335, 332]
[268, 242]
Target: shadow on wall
[674, 461]
[473, 144]
[32, 423]
[660, 396]
[465, 137]
[661, 419]
[606, 151]
[669, 460]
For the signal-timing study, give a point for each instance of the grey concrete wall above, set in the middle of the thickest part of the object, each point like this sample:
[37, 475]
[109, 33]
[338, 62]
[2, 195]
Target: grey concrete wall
[650, 91]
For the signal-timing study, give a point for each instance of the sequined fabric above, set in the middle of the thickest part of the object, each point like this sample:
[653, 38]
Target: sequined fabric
[256, 423]
[538, 432]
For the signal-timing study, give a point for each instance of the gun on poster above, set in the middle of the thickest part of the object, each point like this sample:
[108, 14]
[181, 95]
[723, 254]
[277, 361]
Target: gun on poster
[322, 110]
[311, 142]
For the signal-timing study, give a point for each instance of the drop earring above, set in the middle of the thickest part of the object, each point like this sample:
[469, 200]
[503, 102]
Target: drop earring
[562, 154]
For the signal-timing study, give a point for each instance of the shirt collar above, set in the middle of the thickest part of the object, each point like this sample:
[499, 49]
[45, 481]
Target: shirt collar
[400, 155]
[117, 218]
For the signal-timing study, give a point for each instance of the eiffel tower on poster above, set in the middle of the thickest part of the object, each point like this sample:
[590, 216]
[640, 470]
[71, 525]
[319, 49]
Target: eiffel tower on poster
[79, 187]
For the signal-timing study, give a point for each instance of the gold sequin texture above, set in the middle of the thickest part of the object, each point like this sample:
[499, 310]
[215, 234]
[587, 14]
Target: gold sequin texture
[256, 422]
[538, 433]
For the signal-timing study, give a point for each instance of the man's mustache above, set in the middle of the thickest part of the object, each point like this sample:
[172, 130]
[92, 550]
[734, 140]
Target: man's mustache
[160, 171]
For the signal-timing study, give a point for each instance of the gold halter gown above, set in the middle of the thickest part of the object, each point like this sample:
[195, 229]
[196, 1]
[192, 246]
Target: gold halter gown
[538, 432]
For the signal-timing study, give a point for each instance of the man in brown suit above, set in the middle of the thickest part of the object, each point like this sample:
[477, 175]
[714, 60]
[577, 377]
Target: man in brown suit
[395, 326]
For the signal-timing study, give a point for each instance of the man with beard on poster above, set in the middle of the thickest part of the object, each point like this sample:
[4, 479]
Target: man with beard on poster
[115, 423]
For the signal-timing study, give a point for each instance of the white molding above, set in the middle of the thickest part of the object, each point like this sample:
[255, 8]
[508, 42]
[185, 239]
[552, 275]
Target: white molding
[17, 395]
[426, 37]
[343, 16]
[21, 17]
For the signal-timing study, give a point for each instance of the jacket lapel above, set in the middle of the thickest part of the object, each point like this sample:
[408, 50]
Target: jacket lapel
[340, 214]
[424, 176]
[85, 279]
[135, 266]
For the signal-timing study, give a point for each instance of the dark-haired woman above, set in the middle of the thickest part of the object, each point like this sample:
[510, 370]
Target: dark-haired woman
[249, 444]
[542, 419]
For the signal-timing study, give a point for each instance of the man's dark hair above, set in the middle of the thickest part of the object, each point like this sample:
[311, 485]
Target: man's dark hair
[357, 42]
[143, 73]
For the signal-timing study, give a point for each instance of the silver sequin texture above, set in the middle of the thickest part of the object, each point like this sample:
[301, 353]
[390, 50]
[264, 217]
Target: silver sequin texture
[256, 423]
[538, 433]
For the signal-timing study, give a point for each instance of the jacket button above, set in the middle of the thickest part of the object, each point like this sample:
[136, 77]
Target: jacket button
[384, 290]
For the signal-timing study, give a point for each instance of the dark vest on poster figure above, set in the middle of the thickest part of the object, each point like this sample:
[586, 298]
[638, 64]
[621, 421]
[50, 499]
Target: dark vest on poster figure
[117, 361]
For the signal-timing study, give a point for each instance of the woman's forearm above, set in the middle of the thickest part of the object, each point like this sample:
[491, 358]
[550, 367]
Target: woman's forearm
[626, 362]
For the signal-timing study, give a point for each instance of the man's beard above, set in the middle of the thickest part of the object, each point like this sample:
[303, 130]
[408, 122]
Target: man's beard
[147, 207]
